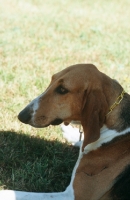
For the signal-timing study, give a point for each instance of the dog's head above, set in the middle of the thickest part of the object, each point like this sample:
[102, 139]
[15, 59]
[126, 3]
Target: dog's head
[74, 94]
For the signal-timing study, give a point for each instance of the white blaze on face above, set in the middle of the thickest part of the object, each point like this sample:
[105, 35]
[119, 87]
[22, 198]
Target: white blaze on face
[35, 105]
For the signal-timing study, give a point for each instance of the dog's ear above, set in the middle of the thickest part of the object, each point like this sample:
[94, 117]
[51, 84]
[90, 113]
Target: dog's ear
[93, 115]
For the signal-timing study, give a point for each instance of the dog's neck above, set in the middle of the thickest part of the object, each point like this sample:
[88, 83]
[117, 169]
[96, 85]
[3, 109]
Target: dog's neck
[119, 118]
[106, 135]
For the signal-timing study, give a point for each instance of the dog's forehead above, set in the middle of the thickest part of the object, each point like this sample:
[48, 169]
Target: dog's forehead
[76, 72]
[76, 75]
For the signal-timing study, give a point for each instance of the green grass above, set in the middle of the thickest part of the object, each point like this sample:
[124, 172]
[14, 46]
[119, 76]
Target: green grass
[33, 163]
[39, 38]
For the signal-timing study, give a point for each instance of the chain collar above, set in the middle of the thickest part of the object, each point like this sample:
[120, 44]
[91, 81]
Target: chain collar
[117, 102]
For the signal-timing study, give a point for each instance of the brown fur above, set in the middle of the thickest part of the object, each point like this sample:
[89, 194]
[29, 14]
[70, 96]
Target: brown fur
[98, 169]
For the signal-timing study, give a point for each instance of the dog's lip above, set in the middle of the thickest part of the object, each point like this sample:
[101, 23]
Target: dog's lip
[53, 123]
[38, 126]
[56, 121]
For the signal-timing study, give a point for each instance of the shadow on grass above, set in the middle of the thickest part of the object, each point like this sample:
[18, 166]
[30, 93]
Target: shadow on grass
[34, 164]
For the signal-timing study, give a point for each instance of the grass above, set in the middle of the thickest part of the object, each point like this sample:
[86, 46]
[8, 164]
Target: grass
[33, 163]
[37, 39]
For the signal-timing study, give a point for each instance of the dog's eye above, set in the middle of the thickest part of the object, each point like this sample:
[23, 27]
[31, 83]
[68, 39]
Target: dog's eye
[61, 90]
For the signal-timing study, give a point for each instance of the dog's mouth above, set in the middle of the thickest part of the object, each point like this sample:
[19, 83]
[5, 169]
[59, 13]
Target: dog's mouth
[56, 122]
[59, 121]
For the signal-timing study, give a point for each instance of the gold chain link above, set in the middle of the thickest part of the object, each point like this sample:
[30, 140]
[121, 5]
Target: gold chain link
[117, 102]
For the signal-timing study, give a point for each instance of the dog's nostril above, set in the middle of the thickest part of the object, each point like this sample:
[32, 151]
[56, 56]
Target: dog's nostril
[24, 116]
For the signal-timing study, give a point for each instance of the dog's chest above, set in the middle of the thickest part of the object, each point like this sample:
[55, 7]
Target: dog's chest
[99, 168]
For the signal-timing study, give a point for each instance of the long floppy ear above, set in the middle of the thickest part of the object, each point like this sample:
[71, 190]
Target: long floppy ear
[93, 115]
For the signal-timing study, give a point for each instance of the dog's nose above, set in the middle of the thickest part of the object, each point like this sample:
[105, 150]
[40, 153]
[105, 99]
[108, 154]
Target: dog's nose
[25, 115]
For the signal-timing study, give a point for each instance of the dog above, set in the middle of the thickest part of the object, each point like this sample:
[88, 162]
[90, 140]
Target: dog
[82, 93]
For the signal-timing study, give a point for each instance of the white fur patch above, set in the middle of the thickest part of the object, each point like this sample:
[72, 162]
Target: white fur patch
[106, 135]
[35, 105]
